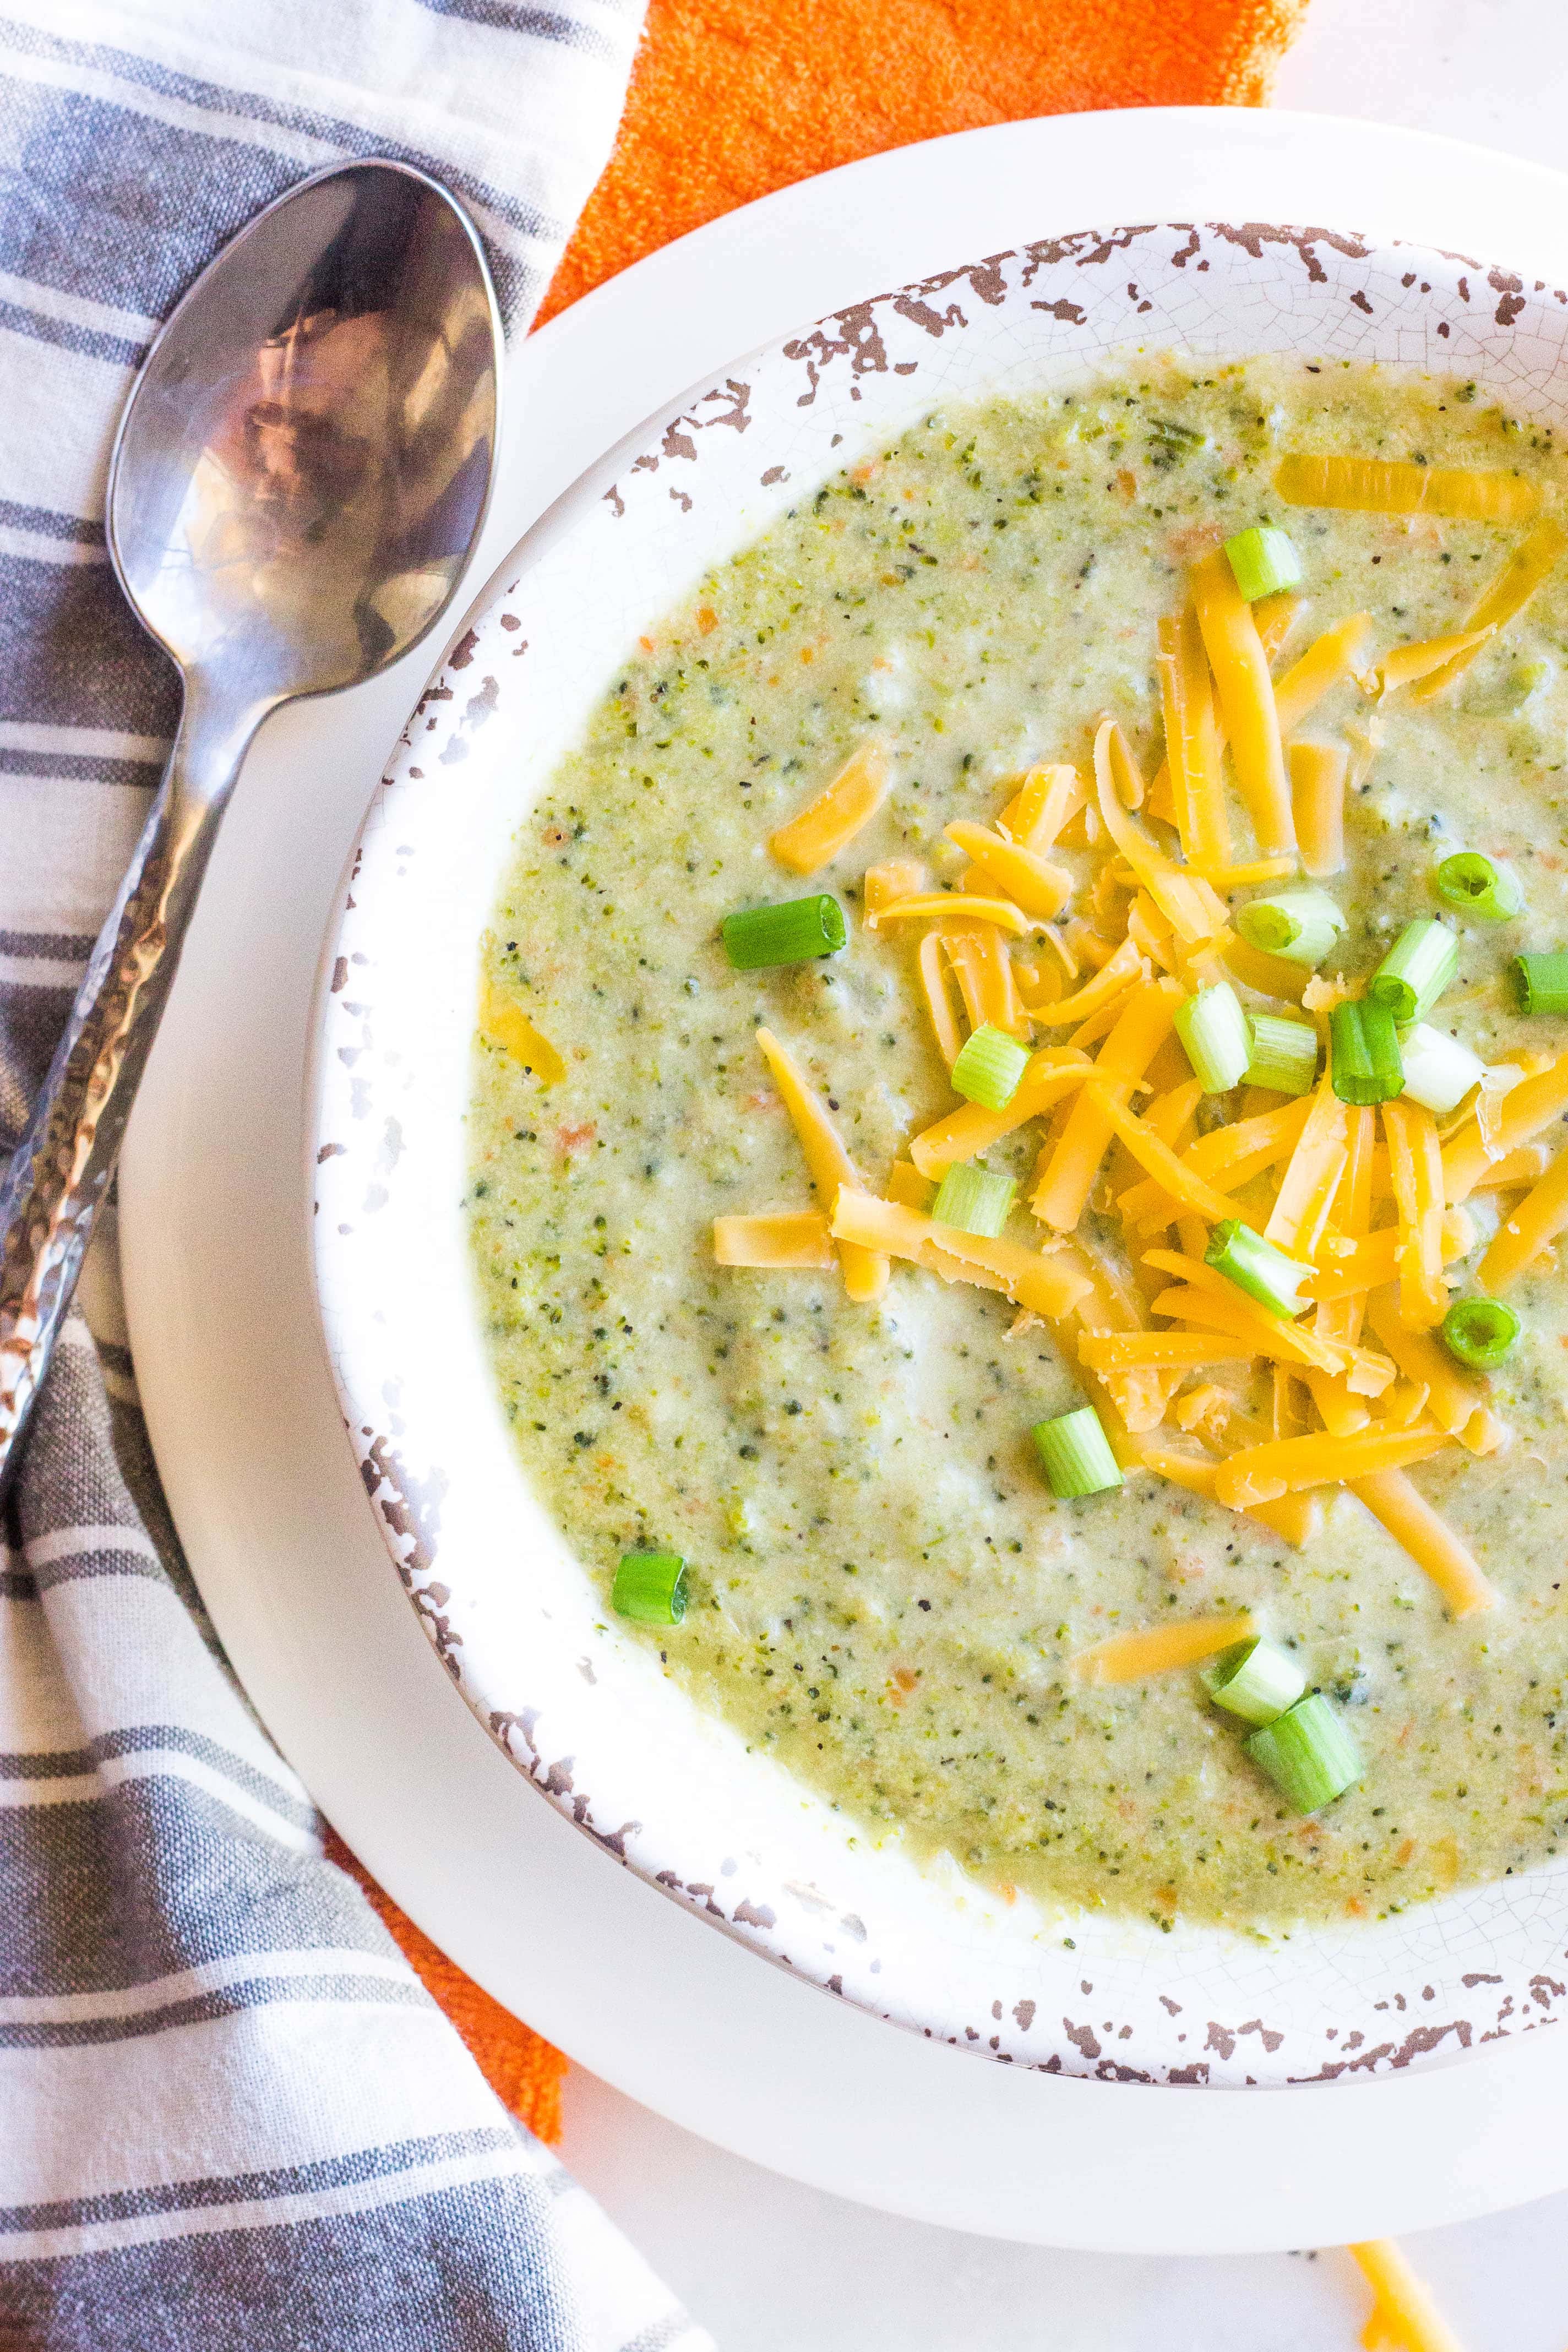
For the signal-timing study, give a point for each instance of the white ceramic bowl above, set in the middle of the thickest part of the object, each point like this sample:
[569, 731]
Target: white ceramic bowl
[510, 1613]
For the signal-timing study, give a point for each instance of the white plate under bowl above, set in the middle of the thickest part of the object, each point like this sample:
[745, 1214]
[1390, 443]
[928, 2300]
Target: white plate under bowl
[272, 1513]
[578, 1704]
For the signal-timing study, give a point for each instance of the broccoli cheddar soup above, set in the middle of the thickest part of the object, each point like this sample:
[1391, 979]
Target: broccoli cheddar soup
[1016, 1141]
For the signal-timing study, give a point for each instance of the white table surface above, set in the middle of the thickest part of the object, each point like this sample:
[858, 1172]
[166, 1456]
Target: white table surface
[771, 2266]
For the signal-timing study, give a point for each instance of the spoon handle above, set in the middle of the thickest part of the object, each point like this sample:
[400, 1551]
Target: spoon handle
[61, 1168]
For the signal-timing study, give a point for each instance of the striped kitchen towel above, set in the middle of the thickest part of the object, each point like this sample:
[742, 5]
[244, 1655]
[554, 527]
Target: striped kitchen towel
[229, 2114]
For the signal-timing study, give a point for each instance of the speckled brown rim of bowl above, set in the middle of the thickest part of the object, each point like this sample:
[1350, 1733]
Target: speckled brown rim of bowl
[581, 1709]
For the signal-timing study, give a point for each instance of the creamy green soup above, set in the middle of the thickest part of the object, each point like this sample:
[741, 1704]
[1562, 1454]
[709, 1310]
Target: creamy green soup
[884, 1593]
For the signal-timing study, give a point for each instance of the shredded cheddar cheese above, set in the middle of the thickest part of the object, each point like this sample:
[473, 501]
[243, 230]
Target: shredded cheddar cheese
[1348, 1269]
[825, 828]
[505, 1024]
[931, 965]
[1259, 1472]
[1139, 1394]
[1230, 1157]
[1126, 1657]
[1029, 881]
[1247, 698]
[1244, 878]
[1530, 1106]
[899, 877]
[865, 1271]
[1312, 1176]
[1270, 975]
[1535, 558]
[1403, 2308]
[1405, 1405]
[1175, 1177]
[966, 1134]
[1274, 1342]
[1295, 1517]
[791, 1237]
[1454, 1395]
[1399, 486]
[1326, 660]
[980, 963]
[1188, 903]
[1192, 740]
[909, 1187]
[1126, 1351]
[1430, 1541]
[1484, 1432]
[1520, 1167]
[1298, 1518]
[1047, 1286]
[1276, 616]
[1140, 1029]
[1408, 664]
[1415, 1177]
[1527, 1230]
[927, 903]
[1341, 1414]
[1161, 800]
[1170, 1115]
[1046, 803]
[1317, 772]
[1118, 973]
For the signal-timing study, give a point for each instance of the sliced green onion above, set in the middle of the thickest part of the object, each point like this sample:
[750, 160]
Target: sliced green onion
[974, 1200]
[1419, 967]
[1542, 981]
[651, 1585]
[1307, 1753]
[1299, 924]
[1477, 887]
[1255, 1266]
[793, 933]
[1213, 1027]
[1075, 1454]
[1480, 1331]
[988, 1068]
[1284, 1055]
[1264, 561]
[1255, 1680]
[1439, 1071]
[1364, 1046]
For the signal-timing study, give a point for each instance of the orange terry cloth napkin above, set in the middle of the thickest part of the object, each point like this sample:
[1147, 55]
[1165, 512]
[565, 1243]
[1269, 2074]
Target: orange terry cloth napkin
[521, 2067]
[730, 99]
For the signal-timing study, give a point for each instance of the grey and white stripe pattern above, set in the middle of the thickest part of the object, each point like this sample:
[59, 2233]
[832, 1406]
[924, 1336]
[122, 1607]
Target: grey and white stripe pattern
[229, 2113]
[223, 2092]
[135, 139]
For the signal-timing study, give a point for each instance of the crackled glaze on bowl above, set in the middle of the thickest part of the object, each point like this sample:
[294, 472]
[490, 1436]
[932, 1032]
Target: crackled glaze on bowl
[514, 1620]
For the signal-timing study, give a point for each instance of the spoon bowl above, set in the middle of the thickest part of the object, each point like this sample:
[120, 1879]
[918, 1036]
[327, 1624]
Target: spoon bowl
[303, 468]
[299, 481]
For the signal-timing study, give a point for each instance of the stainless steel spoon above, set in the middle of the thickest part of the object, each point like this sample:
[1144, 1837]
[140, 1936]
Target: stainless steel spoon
[297, 482]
